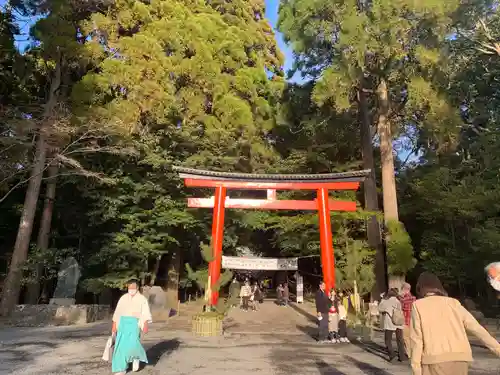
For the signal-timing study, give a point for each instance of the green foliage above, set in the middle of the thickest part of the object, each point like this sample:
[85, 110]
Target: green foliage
[48, 259]
[400, 257]
[450, 208]
[201, 278]
[347, 45]
[354, 262]
[193, 72]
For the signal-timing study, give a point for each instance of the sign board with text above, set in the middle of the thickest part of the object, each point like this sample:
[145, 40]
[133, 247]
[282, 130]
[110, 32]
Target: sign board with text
[259, 264]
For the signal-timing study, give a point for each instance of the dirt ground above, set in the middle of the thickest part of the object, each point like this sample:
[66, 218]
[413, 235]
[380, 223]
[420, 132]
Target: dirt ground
[273, 340]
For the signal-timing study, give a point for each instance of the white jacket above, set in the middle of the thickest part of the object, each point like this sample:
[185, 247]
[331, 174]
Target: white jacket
[245, 291]
[342, 312]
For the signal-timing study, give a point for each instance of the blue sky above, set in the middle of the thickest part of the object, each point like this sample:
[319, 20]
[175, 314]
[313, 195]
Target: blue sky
[272, 16]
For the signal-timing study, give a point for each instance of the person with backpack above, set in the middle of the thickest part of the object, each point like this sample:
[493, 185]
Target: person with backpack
[393, 321]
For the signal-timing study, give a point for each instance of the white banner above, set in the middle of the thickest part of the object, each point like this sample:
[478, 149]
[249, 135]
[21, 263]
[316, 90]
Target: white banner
[259, 264]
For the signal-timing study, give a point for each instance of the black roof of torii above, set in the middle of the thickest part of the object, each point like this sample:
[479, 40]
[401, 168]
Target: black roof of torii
[200, 174]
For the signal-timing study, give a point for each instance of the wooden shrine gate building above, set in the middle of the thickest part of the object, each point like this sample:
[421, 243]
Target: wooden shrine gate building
[223, 181]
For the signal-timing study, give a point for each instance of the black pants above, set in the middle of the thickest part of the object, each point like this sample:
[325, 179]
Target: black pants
[323, 327]
[342, 328]
[400, 343]
[245, 303]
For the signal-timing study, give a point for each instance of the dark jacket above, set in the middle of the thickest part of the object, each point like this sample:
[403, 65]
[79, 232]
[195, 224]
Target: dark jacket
[322, 302]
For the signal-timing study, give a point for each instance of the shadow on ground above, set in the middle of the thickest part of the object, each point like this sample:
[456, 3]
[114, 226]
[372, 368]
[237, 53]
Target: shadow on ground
[372, 348]
[329, 360]
[163, 348]
[14, 355]
[230, 324]
[367, 368]
[301, 311]
[311, 331]
[326, 369]
[23, 351]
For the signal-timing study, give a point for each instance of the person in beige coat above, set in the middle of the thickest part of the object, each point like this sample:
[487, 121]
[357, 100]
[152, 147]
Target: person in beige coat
[439, 344]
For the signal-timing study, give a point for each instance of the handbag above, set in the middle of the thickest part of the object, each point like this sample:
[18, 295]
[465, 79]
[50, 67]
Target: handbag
[398, 319]
[107, 355]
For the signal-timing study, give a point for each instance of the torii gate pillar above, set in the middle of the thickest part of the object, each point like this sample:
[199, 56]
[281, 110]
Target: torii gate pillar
[325, 239]
[217, 240]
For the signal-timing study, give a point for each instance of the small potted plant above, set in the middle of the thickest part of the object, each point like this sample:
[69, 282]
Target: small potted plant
[209, 322]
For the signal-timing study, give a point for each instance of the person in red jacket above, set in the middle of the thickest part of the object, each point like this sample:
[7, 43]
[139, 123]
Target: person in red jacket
[406, 299]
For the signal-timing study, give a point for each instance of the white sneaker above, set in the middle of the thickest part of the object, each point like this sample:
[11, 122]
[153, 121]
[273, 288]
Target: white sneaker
[135, 365]
[333, 341]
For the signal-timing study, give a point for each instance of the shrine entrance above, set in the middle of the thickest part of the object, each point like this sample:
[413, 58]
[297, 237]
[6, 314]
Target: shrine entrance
[269, 272]
[223, 181]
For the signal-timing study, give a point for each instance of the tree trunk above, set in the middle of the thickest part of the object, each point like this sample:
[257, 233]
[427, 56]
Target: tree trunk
[13, 281]
[386, 154]
[390, 197]
[173, 274]
[44, 233]
[154, 273]
[371, 198]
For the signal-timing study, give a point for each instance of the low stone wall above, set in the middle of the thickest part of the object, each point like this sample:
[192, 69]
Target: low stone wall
[54, 315]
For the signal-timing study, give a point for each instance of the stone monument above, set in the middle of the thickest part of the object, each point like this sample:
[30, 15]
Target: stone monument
[156, 297]
[61, 309]
[67, 281]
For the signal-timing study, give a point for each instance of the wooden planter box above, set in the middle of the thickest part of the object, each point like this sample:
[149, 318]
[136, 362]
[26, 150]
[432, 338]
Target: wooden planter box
[207, 325]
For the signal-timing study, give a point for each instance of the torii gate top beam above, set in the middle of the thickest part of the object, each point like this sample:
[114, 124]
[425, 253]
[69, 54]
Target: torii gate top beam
[243, 181]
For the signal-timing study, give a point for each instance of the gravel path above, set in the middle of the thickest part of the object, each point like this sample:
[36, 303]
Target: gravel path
[274, 340]
[68, 350]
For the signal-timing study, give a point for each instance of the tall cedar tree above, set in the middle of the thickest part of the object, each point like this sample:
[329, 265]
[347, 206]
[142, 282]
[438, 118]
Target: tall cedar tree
[57, 59]
[185, 82]
[450, 202]
[207, 76]
[388, 50]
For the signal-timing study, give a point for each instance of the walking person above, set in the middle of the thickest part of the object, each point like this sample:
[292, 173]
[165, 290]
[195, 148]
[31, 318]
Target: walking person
[255, 297]
[333, 318]
[131, 318]
[245, 293]
[342, 324]
[262, 291]
[234, 291]
[280, 295]
[407, 300]
[286, 294]
[322, 308]
[439, 344]
[392, 322]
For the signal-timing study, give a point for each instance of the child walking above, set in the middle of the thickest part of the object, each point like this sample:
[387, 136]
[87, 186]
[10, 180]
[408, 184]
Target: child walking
[342, 324]
[333, 318]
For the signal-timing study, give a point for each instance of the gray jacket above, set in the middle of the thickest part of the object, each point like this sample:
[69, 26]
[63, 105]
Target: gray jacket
[386, 308]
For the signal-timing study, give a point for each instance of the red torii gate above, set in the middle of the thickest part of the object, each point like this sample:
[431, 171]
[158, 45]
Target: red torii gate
[222, 181]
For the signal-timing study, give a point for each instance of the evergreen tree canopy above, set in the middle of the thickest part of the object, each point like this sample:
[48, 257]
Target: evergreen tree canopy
[207, 77]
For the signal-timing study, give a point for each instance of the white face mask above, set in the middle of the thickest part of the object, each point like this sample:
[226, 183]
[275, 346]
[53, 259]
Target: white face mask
[132, 292]
[495, 283]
